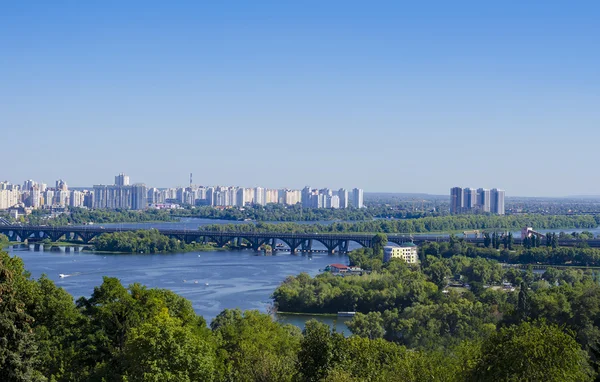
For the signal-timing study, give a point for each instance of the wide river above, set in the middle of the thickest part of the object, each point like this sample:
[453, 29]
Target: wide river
[212, 281]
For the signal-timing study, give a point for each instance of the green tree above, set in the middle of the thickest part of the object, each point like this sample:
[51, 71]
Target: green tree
[523, 304]
[163, 349]
[18, 347]
[252, 347]
[320, 351]
[379, 241]
[532, 352]
[437, 271]
[368, 325]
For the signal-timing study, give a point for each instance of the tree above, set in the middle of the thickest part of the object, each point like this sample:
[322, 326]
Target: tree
[379, 241]
[437, 271]
[523, 304]
[510, 241]
[532, 352]
[162, 349]
[368, 325]
[319, 351]
[252, 347]
[487, 241]
[18, 348]
[554, 241]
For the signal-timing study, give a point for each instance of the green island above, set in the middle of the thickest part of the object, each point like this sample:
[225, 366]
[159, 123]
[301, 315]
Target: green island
[145, 241]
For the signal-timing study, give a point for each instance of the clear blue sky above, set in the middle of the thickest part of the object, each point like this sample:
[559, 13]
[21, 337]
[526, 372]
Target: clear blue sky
[387, 96]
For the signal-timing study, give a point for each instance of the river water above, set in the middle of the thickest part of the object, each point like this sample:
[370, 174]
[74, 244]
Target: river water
[212, 281]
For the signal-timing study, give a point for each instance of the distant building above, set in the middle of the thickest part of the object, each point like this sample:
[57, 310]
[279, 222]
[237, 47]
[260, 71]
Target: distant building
[337, 268]
[127, 197]
[121, 180]
[343, 195]
[8, 198]
[358, 198]
[259, 196]
[483, 200]
[406, 251]
[497, 201]
[468, 200]
[456, 200]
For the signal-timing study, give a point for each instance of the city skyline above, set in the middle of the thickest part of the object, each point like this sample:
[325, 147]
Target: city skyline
[138, 196]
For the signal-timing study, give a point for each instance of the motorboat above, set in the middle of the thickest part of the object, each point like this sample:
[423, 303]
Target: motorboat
[62, 275]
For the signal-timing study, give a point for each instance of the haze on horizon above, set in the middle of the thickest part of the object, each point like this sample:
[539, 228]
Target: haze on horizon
[389, 97]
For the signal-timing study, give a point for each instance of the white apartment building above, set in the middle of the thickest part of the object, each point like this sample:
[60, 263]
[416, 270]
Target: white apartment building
[406, 251]
[8, 198]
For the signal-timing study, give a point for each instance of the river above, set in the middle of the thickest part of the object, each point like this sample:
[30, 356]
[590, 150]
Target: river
[212, 281]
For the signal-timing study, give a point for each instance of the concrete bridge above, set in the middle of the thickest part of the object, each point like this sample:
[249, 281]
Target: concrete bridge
[293, 241]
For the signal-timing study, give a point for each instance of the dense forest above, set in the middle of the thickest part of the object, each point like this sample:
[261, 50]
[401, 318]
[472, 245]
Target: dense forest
[138, 334]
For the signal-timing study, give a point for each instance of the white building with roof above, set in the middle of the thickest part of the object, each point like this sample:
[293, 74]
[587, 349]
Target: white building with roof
[406, 251]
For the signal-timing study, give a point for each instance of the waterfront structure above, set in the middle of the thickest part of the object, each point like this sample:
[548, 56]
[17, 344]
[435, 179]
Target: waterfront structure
[406, 251]
[469, 200]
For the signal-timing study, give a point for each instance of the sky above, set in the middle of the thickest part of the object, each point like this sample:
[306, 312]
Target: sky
[385, 96]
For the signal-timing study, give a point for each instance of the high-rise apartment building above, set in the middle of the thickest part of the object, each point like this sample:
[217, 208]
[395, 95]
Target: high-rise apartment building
[469, 200]
[259, 196]
[343, 195]
[456, 200]
[121, 180]
[358, 198]
[497, 201]
[483, 200]
[139, 196]
[121, 196]
[8, 198]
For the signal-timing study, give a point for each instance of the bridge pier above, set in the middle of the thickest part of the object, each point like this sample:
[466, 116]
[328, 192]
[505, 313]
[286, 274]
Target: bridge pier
[343, 246]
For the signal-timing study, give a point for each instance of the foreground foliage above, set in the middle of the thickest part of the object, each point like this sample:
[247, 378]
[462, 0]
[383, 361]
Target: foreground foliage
[137, 334]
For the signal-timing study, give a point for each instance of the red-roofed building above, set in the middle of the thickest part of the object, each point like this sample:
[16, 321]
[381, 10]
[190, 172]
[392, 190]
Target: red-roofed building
[338, 268]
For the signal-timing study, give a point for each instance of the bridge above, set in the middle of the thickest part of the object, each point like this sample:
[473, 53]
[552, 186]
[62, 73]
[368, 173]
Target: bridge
[294, 241]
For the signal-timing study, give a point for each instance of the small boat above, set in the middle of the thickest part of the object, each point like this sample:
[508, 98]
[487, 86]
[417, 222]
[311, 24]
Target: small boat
[346, 314]
[196, 282]
[206, 284]
[184, 281]
[198, 255]
[62, 275]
